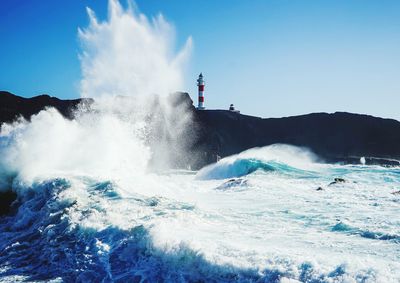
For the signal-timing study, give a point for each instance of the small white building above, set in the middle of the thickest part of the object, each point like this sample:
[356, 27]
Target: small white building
[232, 108]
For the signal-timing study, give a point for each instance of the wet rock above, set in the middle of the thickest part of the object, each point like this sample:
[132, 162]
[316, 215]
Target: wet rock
[320, 189]
[337, 181]
[232, 183]
[6, 199]
[395, 193]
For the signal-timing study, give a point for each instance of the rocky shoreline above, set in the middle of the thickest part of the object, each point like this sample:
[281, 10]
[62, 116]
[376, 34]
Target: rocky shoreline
[336, 138]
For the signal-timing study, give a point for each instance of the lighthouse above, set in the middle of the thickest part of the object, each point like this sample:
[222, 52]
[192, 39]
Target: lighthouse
[200, 84]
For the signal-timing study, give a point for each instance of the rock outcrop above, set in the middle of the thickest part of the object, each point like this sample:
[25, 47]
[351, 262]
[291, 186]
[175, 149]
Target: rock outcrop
[337, 137]
[12, 106]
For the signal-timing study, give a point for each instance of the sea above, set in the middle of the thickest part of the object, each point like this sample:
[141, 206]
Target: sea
[89, 210]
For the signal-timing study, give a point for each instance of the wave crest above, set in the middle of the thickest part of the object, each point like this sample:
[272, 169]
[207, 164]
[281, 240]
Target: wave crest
[279, 157]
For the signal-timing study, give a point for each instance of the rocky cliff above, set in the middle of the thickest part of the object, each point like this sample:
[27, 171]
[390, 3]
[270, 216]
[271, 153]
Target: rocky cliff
[12, 106]
[337, 137]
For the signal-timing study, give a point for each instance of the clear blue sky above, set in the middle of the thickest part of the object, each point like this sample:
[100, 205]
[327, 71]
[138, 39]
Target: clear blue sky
[271, 58]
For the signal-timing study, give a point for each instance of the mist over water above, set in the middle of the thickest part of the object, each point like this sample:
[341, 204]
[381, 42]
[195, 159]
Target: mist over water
[98, 203]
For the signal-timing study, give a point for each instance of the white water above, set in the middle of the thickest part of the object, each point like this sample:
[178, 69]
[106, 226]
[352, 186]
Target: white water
[130, 55]
[271, 224]
[91, 207]
[129, 66]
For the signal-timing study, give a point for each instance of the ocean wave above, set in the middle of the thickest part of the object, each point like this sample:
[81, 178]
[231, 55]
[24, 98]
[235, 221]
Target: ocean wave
[238, 168]
[47, 239]
[81, 228]
[280, 158]
[42, 242]
[374, 235]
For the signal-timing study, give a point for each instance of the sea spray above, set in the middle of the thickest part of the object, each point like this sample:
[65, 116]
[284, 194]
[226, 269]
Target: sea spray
[94, 144]
[130, 55]
[134, 124]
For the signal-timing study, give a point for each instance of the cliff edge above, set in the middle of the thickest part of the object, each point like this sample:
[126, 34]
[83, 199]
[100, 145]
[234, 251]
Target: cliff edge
[337, 137]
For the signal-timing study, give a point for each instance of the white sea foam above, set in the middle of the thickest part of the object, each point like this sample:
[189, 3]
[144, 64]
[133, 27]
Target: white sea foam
[51, 146]
[275, 226]
[266, 158]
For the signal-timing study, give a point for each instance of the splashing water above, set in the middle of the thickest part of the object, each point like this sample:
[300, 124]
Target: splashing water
[128, 65]
[130, 55]
[268, 158]
[270, 225]
[91, 209]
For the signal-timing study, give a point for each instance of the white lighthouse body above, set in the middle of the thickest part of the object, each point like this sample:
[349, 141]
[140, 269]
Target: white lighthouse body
[200, 84]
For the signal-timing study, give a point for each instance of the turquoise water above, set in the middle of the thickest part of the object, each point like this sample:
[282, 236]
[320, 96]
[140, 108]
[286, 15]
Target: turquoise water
[254, 217]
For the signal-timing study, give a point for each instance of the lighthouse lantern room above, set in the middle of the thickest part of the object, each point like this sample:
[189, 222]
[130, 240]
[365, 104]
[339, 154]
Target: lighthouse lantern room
[200, 84]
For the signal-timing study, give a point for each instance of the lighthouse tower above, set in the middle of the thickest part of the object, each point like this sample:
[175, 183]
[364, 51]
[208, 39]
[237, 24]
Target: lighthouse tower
[200, 84]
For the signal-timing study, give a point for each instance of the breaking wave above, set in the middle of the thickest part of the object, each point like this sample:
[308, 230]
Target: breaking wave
[279, 158]
[82, 228]
[50, 238]
[374, 235]
[66, 230]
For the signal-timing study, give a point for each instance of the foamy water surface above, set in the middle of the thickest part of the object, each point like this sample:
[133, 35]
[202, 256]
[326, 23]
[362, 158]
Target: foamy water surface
[270, 225]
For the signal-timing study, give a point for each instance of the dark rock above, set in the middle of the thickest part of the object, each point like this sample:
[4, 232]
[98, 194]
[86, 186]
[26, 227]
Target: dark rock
[232, 183]
[337, 181]
[6, 199]
[395, 193]
[12, 106]
[338, 137]
[320, 189]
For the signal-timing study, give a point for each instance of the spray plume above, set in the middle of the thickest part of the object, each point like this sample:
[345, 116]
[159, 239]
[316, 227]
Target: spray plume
[130, 55]
[125, 61]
